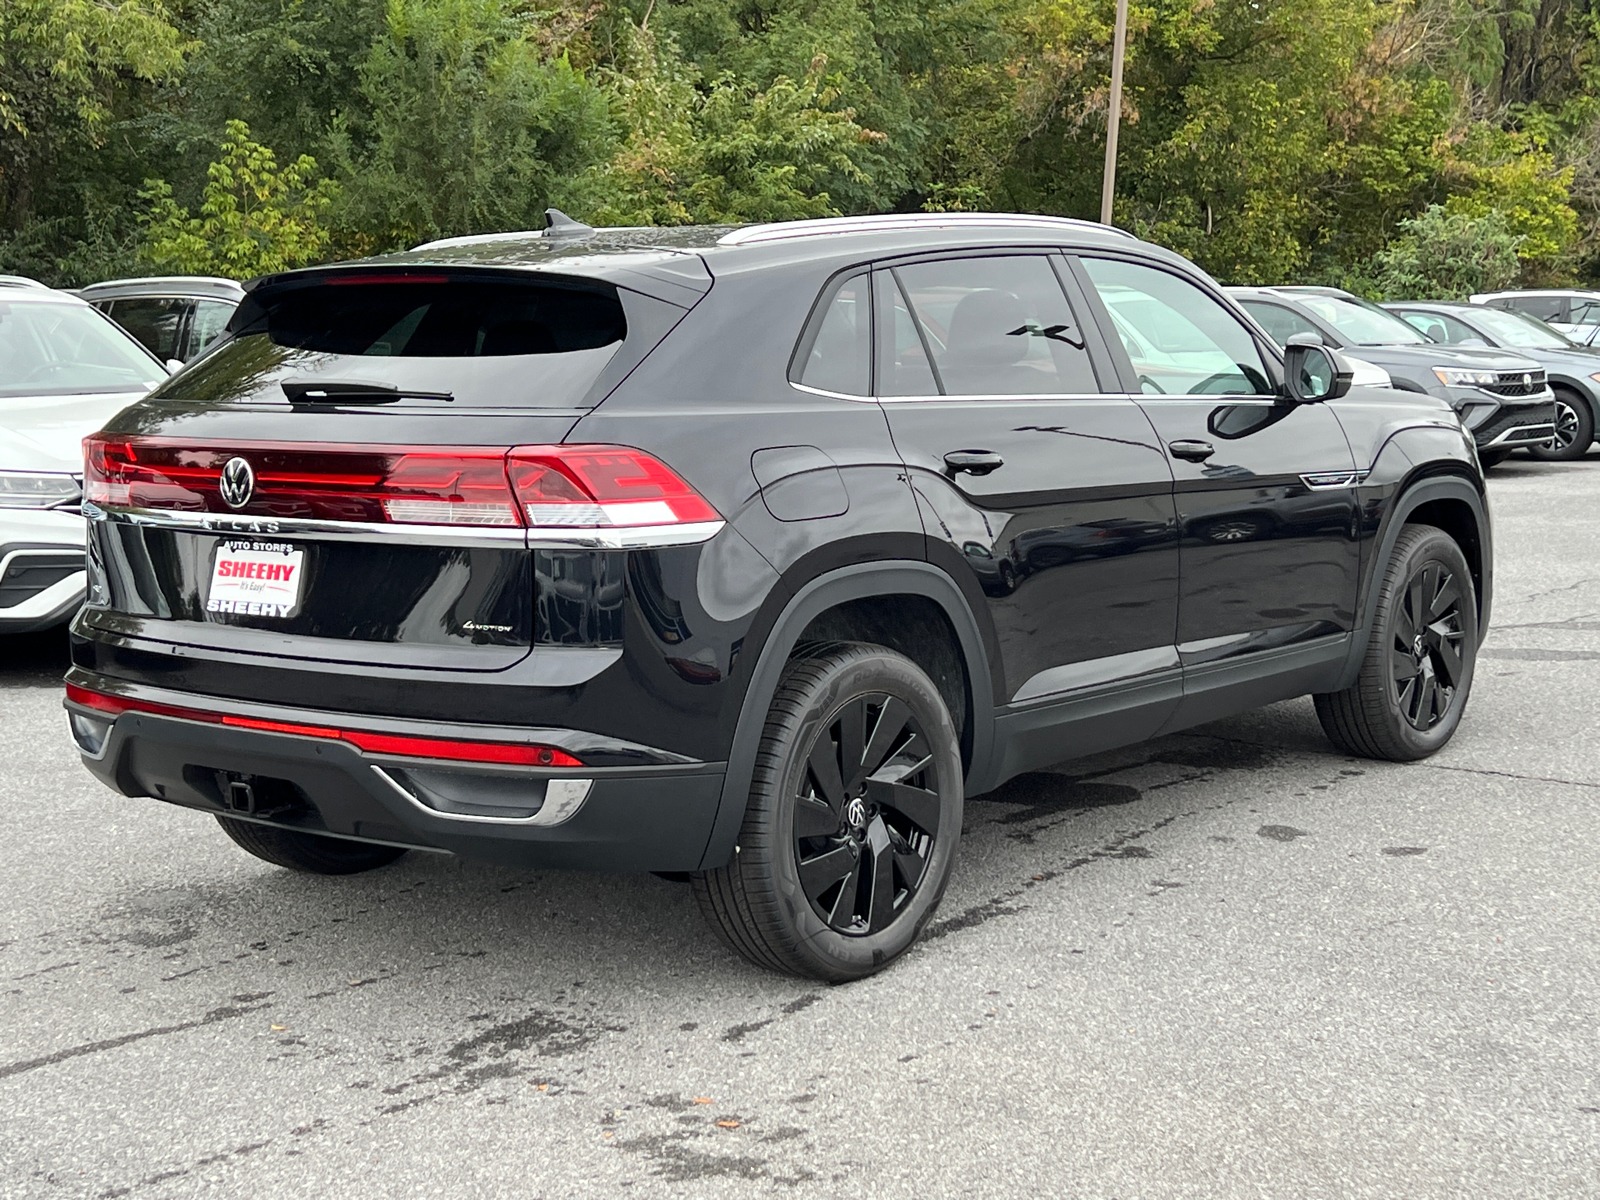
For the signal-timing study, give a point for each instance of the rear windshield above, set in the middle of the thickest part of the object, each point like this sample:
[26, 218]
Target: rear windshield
[422, 339]
[435, 317]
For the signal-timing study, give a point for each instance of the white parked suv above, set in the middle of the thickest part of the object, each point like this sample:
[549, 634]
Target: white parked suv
[65, 369]
[1572, 311]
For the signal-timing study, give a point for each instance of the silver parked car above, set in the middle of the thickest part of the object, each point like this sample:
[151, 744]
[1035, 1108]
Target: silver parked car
[175, 316]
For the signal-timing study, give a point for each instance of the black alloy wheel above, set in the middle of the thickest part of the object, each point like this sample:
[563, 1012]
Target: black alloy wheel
[1415, 677]
[865, 818]
[1574, 430]
[1428, 641]
[853, 819]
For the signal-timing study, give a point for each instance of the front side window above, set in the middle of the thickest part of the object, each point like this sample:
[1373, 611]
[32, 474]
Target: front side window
[838, 351]
[996, 326]
[1181, 341]
[157, 321]
[1515, 329]
[52, 349]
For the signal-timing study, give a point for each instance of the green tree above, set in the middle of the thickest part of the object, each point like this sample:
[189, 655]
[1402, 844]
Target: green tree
[255, 218]
[728, 153]
[1515, 177]
[1443, 255]
[466, 123]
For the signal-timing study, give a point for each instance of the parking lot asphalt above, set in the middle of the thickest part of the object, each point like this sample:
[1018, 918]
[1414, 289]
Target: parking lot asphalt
[1227, 963]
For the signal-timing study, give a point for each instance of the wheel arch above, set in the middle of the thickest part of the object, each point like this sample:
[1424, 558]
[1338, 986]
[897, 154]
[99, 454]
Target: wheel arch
[1441, 494]
[862, 593]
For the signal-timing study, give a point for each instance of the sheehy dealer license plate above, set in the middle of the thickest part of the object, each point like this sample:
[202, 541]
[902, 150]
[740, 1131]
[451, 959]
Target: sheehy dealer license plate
[260, 579]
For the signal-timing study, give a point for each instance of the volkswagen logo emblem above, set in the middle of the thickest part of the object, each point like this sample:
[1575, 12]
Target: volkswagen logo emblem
[238, 483]
[856, 813]
[1527, 380]
[1417, 645]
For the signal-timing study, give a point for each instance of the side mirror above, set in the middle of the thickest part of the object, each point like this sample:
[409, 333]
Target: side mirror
[1313, 372]
[174, 365]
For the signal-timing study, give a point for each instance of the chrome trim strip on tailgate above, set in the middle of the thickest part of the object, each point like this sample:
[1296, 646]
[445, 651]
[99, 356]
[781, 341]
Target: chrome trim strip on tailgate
[622, 537]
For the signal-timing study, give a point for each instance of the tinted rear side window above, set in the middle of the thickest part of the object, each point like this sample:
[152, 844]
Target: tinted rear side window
[836, 352]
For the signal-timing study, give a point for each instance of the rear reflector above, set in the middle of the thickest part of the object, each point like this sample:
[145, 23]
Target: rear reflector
[565, 487]
[454, 750]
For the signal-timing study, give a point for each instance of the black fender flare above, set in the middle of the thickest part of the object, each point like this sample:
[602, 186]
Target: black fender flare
[1412, 495]
[857, 582]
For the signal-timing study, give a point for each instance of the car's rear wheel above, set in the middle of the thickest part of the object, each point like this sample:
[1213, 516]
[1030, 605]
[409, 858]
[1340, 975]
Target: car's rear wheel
[1574, 430]
[312, 853]
[1409, 696]
[853, 819]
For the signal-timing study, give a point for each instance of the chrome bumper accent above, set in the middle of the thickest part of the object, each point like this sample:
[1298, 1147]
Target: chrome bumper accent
[629, 537]
[1541, 434]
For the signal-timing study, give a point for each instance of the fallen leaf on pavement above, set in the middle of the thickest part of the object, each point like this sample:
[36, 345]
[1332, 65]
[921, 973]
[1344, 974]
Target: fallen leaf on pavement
[727, 1124]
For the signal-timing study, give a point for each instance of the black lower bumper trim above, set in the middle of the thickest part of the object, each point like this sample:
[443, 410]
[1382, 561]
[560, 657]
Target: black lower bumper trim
[633, 819]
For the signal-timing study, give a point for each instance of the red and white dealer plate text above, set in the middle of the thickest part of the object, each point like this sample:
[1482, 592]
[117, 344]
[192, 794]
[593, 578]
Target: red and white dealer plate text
[258, 579]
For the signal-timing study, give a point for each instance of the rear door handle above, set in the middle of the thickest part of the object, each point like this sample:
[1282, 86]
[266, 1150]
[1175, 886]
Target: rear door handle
[972, 462]
[1191, 451]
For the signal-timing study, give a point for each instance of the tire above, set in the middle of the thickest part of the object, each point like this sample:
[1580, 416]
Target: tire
[1492, 458]
[313, 853]
[1574, 429]
[854, 906]
[1397, 709]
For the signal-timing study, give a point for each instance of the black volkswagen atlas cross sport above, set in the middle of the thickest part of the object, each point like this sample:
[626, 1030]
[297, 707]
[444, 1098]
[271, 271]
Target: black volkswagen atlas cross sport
[749, 553]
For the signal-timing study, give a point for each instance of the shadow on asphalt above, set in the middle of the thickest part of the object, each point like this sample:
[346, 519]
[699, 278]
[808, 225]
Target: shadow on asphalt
[34, 659]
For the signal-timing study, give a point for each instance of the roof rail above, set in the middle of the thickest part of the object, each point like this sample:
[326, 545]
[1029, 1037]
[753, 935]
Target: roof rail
[888, 222]
[21, 281]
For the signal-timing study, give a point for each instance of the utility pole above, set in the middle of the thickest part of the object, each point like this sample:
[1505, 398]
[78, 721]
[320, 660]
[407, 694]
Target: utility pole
[1119, 46]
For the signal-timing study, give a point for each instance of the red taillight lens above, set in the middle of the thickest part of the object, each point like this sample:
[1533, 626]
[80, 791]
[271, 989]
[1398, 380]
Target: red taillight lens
[570, 487]
[600, 487]
[376, 743]
[378, 484]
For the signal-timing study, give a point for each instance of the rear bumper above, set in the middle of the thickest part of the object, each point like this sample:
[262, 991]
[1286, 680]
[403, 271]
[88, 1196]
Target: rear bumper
[656, 818]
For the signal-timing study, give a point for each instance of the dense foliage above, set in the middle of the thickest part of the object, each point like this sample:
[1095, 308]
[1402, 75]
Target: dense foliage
[1405, 145]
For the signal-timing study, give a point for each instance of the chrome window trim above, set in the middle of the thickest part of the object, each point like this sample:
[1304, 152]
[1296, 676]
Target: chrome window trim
[622, 537]
[1031, 397]
[824, 392]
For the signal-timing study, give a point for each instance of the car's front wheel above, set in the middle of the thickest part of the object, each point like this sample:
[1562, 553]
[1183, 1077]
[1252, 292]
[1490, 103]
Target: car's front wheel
[1414, 681]
[1574, 430]
[853, 819]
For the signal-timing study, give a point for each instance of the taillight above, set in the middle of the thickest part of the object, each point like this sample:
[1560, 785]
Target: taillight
[546, 487]
[377, 484]
[600, 487]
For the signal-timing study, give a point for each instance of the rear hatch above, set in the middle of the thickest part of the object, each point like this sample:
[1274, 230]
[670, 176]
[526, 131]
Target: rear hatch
[350, 475]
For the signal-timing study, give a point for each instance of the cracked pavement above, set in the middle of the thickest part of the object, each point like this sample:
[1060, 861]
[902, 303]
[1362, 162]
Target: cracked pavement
[1227, 963]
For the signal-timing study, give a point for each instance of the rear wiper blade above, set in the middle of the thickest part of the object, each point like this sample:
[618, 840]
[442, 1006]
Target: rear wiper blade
[354, 393]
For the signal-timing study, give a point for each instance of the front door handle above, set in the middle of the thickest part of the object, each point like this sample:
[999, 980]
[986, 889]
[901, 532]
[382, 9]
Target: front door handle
[972, 462]
[1191, 451]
